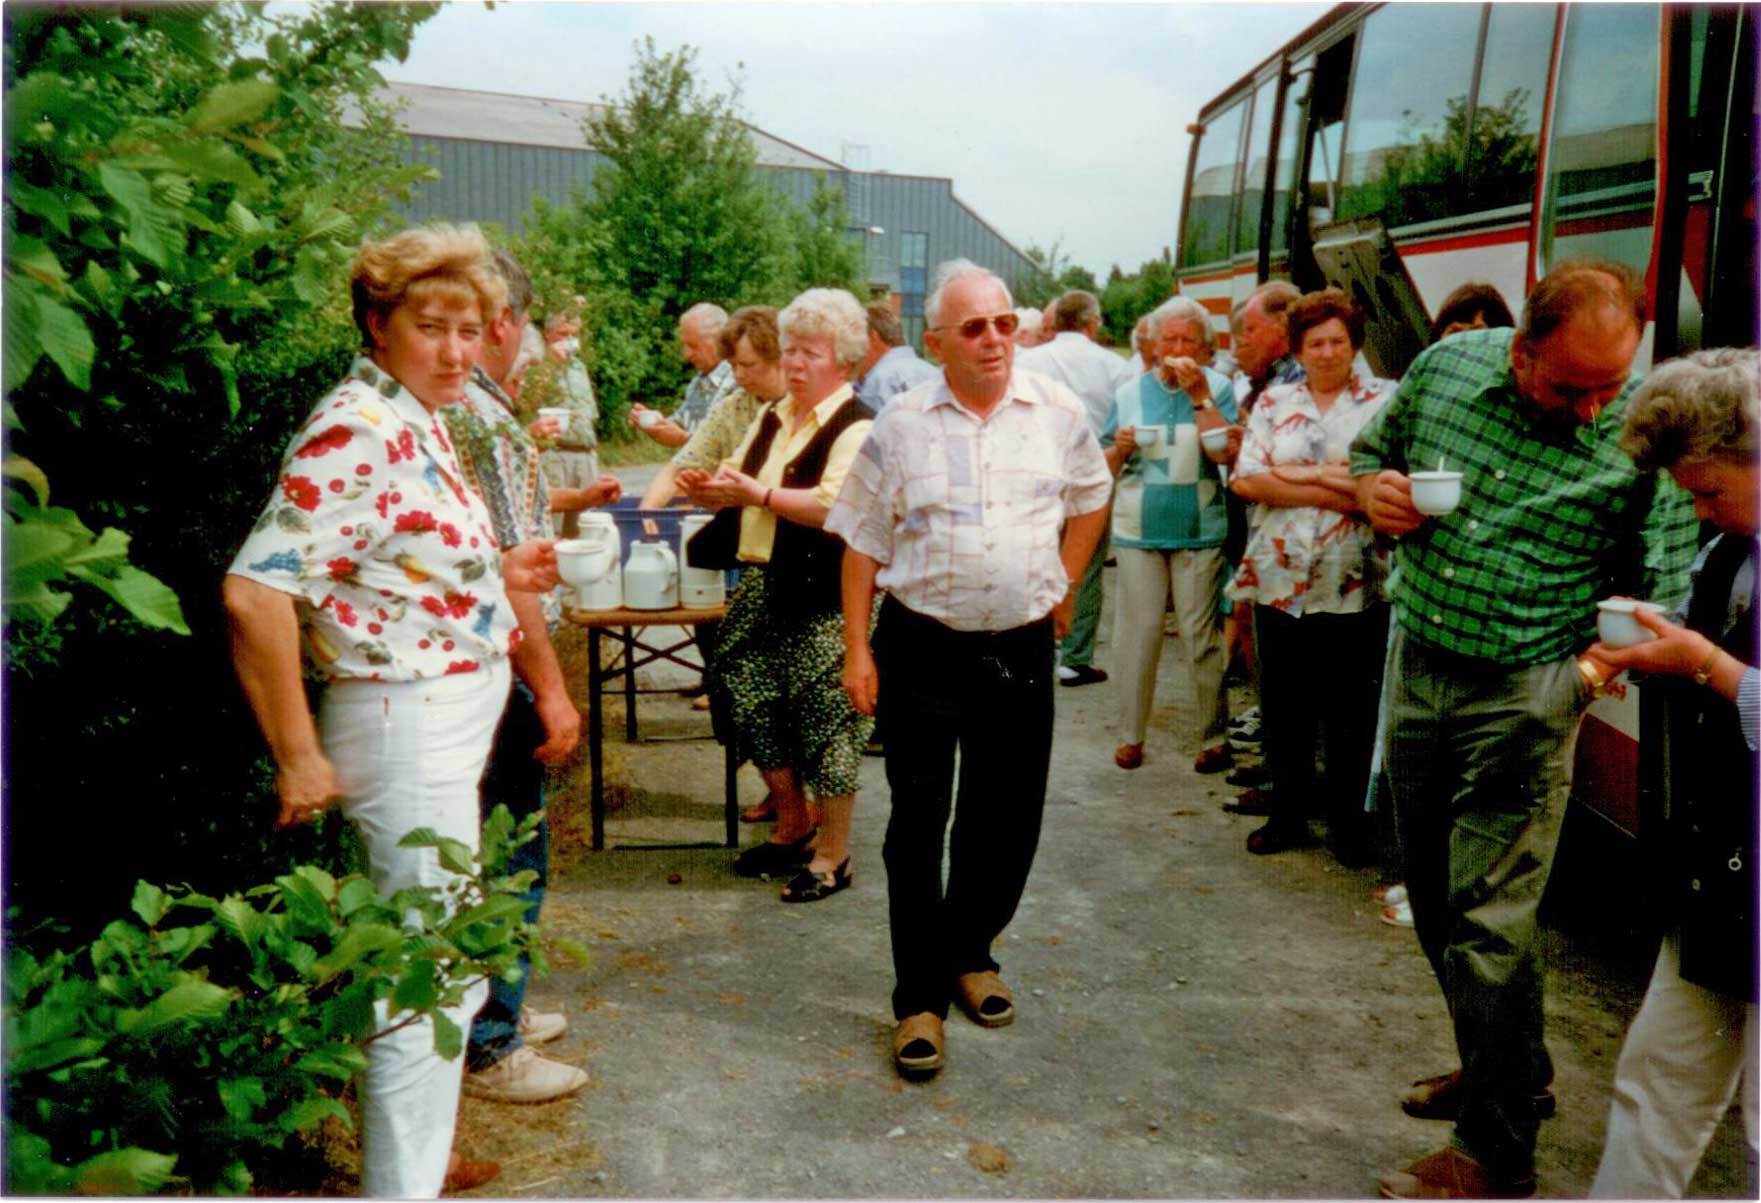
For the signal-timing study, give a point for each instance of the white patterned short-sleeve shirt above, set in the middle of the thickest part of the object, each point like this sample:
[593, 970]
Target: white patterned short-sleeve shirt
[964, 514]
[390, 556]
[1305, 559]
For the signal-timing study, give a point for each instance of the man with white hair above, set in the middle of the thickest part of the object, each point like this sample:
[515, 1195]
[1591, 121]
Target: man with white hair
[1094, 374]
[698, 328]
[1030, 332]
[975, 502]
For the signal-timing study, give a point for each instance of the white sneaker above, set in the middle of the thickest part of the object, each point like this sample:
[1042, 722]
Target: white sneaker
[1066, 673]
[541, 1027]
[524, 1077]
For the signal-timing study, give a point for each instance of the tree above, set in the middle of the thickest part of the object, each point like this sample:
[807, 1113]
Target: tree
[1127, 298]
[182, 199]
[818, 249]
[680, 214]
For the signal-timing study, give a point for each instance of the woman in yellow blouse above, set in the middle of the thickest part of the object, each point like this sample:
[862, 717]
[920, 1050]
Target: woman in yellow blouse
[782, 643]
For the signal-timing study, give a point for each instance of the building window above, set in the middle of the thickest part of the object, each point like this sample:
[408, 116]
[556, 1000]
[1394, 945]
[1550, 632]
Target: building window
[913, 273]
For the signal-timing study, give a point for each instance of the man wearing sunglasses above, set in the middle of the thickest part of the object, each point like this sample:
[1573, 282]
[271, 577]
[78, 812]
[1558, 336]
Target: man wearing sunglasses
[975, 501]
[1094, 374]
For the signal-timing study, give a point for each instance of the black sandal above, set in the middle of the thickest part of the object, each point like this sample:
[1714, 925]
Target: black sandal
[762, 860]
[809, 886]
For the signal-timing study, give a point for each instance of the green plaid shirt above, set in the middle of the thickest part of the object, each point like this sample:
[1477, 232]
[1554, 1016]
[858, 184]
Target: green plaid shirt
[1549, 522]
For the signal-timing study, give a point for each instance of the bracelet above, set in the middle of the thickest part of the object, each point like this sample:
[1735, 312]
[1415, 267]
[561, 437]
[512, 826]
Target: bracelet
[1703, 674]
[766, 502]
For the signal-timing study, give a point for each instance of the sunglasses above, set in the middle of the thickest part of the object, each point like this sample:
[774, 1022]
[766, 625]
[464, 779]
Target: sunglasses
[973, 327]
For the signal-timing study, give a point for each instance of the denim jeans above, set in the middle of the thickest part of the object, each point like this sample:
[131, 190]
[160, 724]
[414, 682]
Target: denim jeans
[409, 754]
[515, 780]
[1479, 758]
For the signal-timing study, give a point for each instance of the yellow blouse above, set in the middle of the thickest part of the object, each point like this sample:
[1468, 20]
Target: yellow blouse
[758, 525]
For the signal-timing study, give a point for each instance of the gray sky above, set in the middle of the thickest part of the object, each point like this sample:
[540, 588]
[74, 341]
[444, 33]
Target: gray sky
[1055, 121]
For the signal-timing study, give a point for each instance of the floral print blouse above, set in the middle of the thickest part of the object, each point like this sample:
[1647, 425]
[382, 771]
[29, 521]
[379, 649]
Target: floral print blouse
[391, 558]
[1305, 559]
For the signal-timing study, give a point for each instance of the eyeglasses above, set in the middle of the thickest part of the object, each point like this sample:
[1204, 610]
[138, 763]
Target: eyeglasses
[974, 327]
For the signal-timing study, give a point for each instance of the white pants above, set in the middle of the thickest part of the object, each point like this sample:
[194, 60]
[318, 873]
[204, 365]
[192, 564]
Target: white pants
[410, 754]
[1142, 587]
[1684, 1056]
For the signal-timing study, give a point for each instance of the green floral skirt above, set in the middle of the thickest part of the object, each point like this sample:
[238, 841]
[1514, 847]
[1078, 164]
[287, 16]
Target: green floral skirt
[783, 675]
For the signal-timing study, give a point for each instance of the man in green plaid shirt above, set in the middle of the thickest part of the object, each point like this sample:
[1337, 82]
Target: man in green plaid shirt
[1493, 601]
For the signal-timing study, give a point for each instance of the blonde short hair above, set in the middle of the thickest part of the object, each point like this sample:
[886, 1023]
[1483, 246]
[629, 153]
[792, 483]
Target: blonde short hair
[830, 311]
[444, 261]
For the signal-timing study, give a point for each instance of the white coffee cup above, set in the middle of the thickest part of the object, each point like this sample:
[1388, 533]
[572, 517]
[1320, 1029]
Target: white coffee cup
[648, 419]
[1436, 492]
[560, 413]
[1148, 437]
[1616, 624]
[1215, 439]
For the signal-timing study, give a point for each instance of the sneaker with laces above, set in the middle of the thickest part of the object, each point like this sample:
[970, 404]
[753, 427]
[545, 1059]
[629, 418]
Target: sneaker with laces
[1244, 732]
[524, 1077]
[541, 1027]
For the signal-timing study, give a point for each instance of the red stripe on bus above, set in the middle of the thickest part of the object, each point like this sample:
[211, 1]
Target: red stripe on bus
[1215, 304]
[1463, 242]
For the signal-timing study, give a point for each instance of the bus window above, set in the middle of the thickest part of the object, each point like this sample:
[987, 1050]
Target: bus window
[1289, 131]
[1501, 151]
[1602, 158]
[1408, 123]
[1213, 189]
[1253, 181]
[1324, 132]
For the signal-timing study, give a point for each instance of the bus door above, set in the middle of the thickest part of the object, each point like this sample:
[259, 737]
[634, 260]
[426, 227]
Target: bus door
[1319, 167]
[1706, 272]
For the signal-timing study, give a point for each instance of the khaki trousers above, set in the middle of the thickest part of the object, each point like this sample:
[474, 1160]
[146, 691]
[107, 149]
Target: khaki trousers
[1685, 1055]
[1142, 586]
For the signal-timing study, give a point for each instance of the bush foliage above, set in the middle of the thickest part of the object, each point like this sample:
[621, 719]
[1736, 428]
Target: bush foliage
[181, 199]
[199, 1045]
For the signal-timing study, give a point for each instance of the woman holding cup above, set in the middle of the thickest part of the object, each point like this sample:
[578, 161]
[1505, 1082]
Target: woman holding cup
[1313, 572]
[1169, 522]
[376, 555]
[1693, 1041]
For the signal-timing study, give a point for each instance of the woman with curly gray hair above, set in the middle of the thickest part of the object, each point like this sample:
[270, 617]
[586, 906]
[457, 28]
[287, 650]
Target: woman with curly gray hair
[1693, 1041]
[780, 650]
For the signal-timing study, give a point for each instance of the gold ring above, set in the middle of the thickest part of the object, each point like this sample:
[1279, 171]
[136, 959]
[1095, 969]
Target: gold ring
[1590, 674]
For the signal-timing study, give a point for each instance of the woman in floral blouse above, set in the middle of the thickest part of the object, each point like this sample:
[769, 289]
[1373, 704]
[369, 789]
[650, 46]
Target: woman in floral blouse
[374, 550]
[1313, 572]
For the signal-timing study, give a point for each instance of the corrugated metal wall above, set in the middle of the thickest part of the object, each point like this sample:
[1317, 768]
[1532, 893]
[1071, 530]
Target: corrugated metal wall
[494, 181]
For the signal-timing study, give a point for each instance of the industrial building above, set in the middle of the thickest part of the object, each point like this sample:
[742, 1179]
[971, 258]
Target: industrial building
[905, 223]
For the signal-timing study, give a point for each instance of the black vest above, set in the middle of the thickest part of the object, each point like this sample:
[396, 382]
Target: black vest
[806, 563]
[1713, 794]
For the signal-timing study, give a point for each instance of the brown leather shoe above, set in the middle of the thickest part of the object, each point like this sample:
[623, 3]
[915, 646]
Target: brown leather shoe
[465, 1174]
[1128, 756]
[917, 1044]
[1439, 1097]
[985, 999]
[1213, 760]
[1450, 1173]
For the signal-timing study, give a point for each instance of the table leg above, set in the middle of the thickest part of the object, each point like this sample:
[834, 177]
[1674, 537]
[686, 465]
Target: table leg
[730, 792]
[596, 737]
[629, 685]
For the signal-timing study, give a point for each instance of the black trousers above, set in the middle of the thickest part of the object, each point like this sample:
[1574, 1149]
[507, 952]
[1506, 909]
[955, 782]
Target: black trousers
[987, 694]
[1320, 674]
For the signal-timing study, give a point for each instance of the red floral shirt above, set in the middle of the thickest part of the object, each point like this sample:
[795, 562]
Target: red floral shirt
[393, 560]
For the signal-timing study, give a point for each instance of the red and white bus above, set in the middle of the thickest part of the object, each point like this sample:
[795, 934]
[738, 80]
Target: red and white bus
[1400, 150]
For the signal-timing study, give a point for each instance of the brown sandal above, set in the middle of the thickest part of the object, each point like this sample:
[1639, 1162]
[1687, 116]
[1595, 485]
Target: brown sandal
[985, 999]
[917, 1044]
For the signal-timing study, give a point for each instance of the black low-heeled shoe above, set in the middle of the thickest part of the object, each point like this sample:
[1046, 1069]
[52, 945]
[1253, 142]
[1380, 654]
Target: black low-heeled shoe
[809, 886]
[768, 858]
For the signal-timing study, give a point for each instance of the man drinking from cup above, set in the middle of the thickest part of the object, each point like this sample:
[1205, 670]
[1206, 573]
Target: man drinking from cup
[1493, 601]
